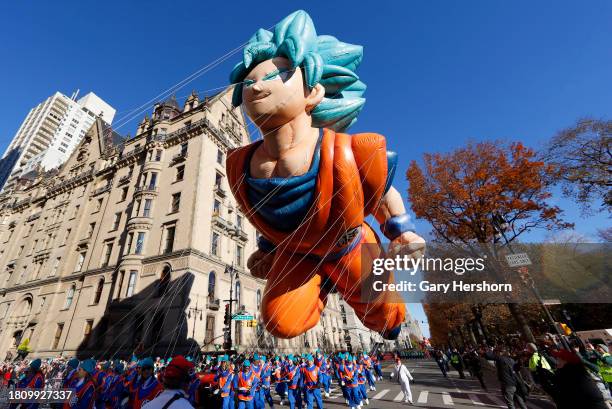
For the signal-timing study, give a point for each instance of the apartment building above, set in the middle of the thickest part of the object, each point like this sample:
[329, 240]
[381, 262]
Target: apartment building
[135, 243]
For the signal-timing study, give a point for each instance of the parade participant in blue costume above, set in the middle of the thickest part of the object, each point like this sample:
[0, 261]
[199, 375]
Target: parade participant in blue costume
[324, 377]
[307, 187]
[368, 367]
[116, 391]
[84, 395]
[362, 393]
[70, 373]
[194, 385]
[147, 387]
[266, 381]
[256, 367]
[348, 379]
[293, 376]
[245, 383]
[311, 377]
[33, 379]
[281, 384]
[377, 368]
[225, 381]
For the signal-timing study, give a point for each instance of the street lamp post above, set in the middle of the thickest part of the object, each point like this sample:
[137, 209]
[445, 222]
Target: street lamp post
[501, 226]
[195, 310]
[231, 270]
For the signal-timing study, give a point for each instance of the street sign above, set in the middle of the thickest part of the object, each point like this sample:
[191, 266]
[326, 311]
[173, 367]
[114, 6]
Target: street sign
[242, 317]
[518, 259]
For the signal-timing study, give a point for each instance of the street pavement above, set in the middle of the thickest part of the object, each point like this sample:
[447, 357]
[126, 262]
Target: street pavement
[431, 390]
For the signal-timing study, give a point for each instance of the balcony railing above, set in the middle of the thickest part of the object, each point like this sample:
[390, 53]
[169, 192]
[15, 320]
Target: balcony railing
[160, 137]
[212, 304]
[146, 189]
[125, 179]
[102, 189]
[34, 216]
[179, 157]
[220, 191]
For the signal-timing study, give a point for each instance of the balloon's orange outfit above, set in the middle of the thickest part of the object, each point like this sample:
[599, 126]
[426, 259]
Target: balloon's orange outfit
[328, 245]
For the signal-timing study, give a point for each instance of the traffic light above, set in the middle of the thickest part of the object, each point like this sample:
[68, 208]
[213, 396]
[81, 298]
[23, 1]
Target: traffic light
[227, 319]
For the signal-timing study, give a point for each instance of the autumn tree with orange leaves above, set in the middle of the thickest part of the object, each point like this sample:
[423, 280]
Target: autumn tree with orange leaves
[459, 192]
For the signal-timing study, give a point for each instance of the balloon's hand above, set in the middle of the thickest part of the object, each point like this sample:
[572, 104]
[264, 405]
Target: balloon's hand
[260, 263]
[407, 244]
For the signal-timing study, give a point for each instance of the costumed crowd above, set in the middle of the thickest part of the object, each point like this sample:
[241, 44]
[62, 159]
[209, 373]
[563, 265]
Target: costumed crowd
[225, 382]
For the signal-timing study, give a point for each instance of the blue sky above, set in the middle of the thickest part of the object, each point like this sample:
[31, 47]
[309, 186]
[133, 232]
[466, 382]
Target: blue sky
[439, 73]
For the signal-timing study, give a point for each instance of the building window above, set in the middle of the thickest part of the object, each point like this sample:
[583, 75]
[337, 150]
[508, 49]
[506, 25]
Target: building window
[258, 299]
[69, 296]
[176, 202]
[147, 208]
[219, 156]
[99, 289]
[128, 248]
[343, 314]
[124, 193]
[118, 290]
[153, 180]
[42, 303]
[55, 267]
[98, 205]
[80, 260]
[76, 211]
[108, 250]
[158, 155]
[137, 208]
[140, 243]
[184, 147]
[87, 331]
[212, 278]
[216, 208]
[210, 329]
[20, 251]
[131, 283]
[214, 246]
[90, 232]
[58, 335]
[117, 221]
[239, 255]
[239, 222]
[66, 237]
[218, 180]
[164, 281]
[180, 172]
[169, 242]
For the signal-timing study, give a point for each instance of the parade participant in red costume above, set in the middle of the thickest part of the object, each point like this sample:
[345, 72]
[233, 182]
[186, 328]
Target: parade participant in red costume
[34, 379]
[307, 187]
[84, 395]
[147, 388]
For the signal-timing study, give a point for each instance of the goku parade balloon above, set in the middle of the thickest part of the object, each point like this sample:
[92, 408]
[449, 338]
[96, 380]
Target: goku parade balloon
[307, 186]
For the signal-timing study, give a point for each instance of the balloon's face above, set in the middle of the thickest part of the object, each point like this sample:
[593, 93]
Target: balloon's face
[274, 93]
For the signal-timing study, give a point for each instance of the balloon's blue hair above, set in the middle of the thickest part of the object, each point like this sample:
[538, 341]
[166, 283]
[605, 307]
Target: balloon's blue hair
[324, 60]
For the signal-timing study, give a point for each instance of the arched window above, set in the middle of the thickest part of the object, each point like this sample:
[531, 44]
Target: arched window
[164, 281]
[212, 278]
[258, 299]
[238, 303]
[99, 289]
[69, 296]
